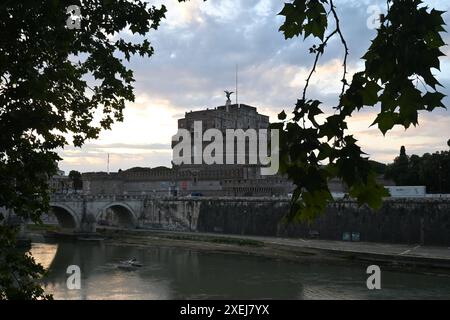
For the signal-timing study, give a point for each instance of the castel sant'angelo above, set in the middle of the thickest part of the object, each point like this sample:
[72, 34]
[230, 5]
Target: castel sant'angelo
[199, 179]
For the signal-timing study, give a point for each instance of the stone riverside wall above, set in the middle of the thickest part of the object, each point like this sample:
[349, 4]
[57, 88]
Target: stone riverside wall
[425, 221]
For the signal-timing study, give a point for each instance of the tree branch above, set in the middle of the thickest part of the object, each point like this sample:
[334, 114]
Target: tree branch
[320, 50]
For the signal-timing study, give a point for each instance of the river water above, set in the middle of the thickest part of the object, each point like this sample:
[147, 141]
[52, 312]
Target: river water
[178, 273]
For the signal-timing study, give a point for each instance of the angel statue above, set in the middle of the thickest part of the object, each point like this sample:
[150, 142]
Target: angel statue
[228, 94]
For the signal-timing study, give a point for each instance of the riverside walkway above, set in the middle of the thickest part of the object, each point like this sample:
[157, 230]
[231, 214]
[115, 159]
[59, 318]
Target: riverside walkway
[413, 254]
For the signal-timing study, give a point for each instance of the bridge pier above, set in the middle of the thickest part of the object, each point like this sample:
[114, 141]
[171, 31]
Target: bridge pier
[87, 226]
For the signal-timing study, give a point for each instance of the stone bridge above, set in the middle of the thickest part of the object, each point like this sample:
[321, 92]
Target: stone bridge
[86, 212]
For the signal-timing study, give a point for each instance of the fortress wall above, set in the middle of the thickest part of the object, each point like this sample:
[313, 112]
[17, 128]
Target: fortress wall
[171, 214]
[421, 221]
[398, 221]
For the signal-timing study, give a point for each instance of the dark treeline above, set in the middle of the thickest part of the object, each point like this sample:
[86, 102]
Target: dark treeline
[77, 182]
[430, 170]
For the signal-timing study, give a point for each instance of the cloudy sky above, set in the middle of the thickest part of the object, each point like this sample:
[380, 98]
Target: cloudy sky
[196, 50]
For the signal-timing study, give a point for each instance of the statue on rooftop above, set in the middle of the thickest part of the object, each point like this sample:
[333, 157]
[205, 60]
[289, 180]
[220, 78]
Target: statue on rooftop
[228, 94]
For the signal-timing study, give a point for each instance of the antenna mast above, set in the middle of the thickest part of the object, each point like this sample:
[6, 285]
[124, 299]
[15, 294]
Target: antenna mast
[237, 86]
[107, 167]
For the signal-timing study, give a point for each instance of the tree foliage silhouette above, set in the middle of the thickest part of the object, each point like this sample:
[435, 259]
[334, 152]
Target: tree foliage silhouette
[47, 103]
[75, 177]
[429, 170]
[397, 78]
[399, 170]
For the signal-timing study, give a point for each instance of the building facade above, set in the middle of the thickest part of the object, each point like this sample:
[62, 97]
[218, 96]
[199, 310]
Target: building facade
[201, 179]
[231, 123]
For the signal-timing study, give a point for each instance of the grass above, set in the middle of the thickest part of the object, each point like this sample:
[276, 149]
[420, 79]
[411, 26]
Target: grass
[199, 238]
[43, 227]
[220, 240]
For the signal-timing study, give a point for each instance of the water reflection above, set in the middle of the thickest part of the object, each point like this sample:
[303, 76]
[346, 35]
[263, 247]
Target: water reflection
[174, 273]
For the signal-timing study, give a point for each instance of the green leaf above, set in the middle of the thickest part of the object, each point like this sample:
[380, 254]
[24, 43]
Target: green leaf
[370, 193]
[433, 100]
[385, 121]
[282, 116]
[304, 17]
[370, 93]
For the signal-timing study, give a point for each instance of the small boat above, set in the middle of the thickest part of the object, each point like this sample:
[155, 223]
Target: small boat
[128, 265]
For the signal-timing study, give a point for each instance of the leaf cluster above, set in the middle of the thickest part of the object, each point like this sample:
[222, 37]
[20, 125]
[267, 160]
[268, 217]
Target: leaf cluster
[316, 148]
[58, 86]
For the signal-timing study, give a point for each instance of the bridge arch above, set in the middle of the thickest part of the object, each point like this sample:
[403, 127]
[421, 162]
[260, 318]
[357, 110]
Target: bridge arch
[117, 214]
[66, 217]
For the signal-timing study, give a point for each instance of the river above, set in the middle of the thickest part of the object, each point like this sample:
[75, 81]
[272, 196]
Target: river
[179, 273]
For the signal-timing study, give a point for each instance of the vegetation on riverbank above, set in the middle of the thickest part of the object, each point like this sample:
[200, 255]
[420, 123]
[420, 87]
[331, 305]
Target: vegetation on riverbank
[220, 240]
[133, 234]
[43, 227]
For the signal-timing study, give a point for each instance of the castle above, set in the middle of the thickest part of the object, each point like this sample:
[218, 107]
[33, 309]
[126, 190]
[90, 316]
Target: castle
[198, 179]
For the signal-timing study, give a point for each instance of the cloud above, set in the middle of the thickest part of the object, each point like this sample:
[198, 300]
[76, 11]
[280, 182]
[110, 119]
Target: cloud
[196, 51]
[430, 135]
